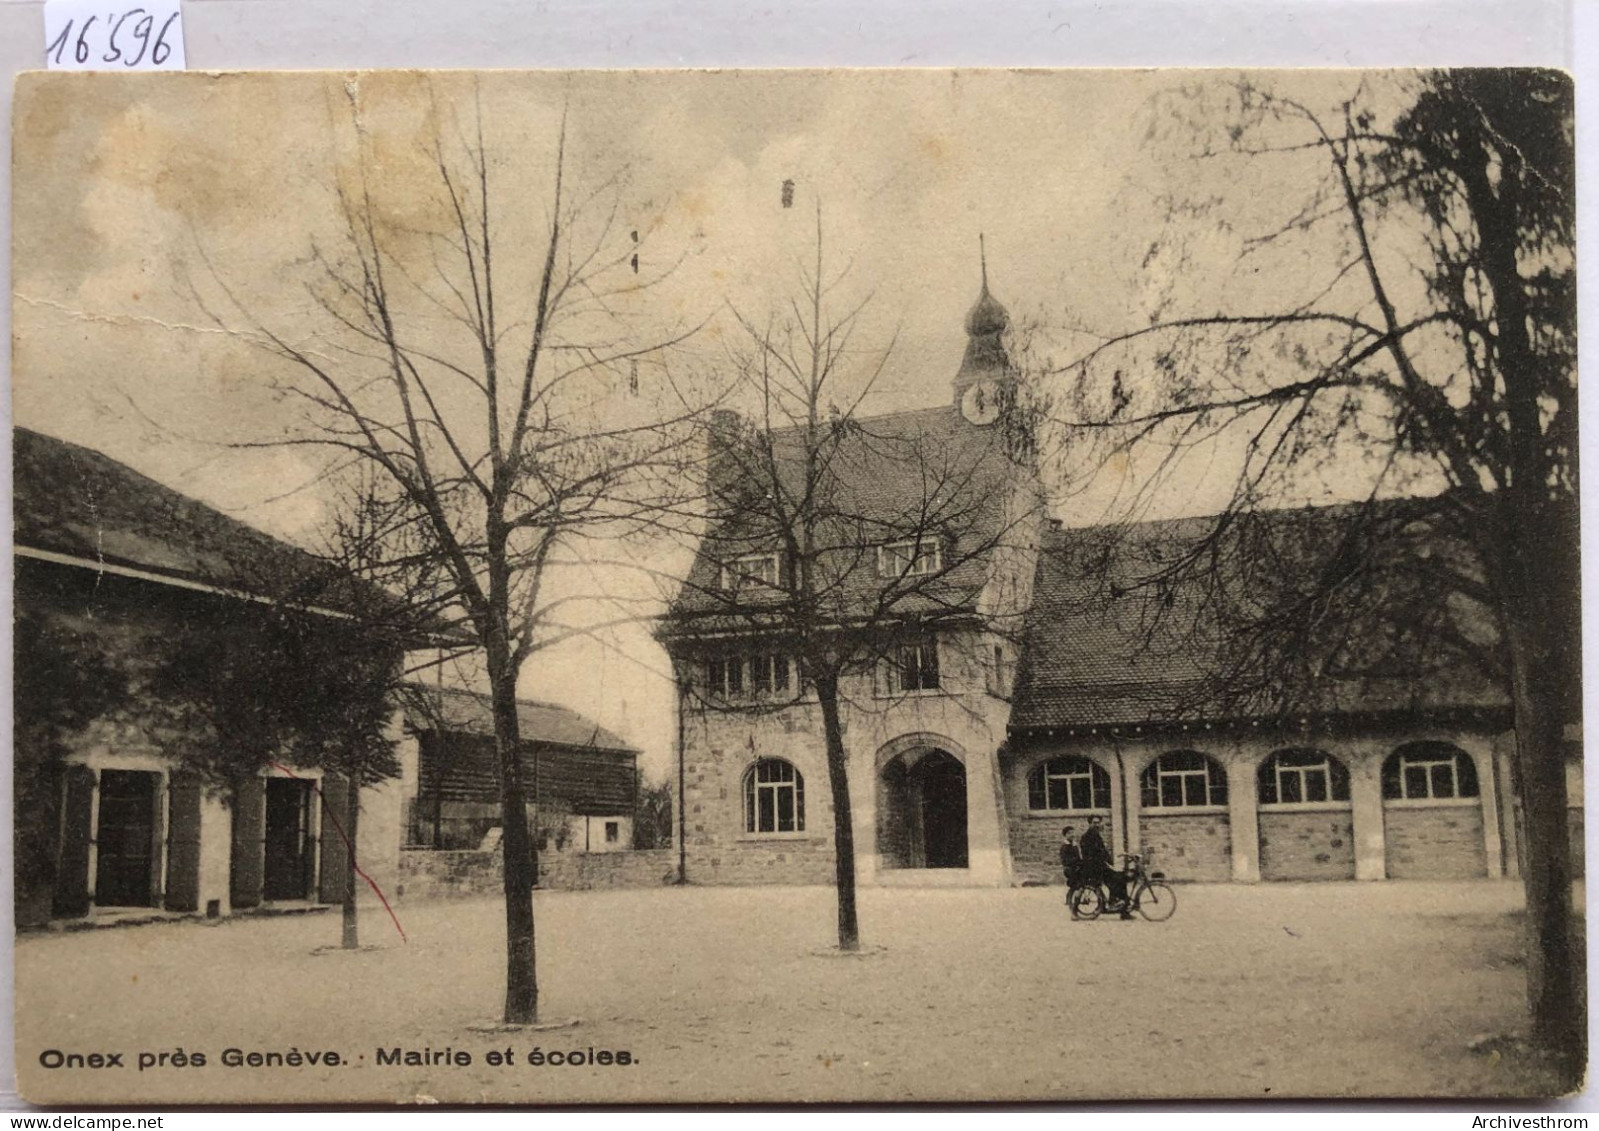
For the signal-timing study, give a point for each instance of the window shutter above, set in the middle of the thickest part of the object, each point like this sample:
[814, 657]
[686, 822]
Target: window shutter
[334, 866]
[183, 842]
[248, 861]
[72, 868]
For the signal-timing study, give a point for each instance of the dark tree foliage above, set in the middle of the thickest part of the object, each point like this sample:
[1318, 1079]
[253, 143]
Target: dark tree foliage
[652, 818]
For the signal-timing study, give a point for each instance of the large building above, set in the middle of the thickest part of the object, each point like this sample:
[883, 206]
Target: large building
[1037, 701]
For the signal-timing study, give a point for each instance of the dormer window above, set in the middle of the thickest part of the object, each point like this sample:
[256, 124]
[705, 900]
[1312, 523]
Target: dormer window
[758, 569]
[911, 558]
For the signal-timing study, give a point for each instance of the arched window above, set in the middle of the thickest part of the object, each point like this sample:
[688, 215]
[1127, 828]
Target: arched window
[1303, 774]
[1068, 782]
[774, 798]
[1183, 778]
[1428, 769]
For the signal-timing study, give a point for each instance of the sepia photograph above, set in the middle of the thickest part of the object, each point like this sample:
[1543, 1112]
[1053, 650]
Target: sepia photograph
[796, 586]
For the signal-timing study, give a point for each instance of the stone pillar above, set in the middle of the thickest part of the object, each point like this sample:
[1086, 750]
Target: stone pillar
[1365, 796]
[1125, 797]
[1481, 754]
[865, 783]
[1504, 747]
[1243, 817]
[986, 842]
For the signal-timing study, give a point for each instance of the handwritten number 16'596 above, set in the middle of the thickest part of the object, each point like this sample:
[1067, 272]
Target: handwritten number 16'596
[119, 43]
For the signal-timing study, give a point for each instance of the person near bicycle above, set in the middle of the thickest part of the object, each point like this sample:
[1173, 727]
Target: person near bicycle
[1071, 860]
[1099, 866]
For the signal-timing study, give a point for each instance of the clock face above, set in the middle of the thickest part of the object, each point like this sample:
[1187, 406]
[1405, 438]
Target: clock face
[980, 404]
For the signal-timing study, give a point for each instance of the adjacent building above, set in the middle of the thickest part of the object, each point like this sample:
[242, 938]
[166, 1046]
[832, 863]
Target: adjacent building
[582, 779]
[120, 802]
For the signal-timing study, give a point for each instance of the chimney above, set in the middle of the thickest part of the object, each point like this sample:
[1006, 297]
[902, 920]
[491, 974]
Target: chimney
[722, 476]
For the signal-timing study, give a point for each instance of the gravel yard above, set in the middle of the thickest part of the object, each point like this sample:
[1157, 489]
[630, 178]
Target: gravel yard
[732, 994]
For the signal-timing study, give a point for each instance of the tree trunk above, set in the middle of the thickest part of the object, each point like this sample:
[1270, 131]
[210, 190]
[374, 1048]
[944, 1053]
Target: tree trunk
[849, 931]
[352, 815]
[520, 865]
[1554, 982]
[1537, 589]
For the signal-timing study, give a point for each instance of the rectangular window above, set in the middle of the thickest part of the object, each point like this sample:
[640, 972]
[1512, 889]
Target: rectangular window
[613, 831]
[911, 558]
[736, 675]
[915, 667]
[752, 569]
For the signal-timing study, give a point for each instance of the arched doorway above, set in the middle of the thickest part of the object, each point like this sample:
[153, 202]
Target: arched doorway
[921, 815]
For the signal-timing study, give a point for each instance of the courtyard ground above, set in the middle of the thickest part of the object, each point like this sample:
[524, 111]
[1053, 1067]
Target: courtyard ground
[732, 994]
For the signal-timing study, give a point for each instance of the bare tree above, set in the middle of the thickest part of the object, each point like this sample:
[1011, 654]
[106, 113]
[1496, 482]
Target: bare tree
[490, 384]
[1414, 344]
[847, 541]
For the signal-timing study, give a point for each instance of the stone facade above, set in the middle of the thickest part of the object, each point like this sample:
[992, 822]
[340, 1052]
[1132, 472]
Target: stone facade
[965, 719]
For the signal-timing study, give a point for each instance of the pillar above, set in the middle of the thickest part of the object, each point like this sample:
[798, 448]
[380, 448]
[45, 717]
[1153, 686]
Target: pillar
[1243, 817]
[1482, 756]
[1365, 796]
[1127, 800]
[1504, 748]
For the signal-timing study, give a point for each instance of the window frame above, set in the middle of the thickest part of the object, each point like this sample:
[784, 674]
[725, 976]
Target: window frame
[754, 814]
[891, 681]
[1153, 778]
[892, 563]
[1335, 773]
[1096, 776]
[1431, 757]
[735, 576]
[737, 676]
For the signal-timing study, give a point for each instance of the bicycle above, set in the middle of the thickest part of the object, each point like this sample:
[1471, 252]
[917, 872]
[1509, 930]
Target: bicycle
[1148, 893]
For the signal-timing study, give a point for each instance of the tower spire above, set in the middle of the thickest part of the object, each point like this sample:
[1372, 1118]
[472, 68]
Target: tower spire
[985, 324]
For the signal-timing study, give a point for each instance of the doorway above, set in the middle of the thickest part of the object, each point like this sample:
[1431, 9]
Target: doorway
[289, 843]
[125, 839]
[922, 812]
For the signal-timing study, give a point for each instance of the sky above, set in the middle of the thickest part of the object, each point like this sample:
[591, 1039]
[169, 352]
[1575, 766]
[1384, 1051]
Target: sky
[153, 211]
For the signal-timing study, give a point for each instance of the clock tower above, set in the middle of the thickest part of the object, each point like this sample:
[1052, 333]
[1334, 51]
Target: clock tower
[986, 379]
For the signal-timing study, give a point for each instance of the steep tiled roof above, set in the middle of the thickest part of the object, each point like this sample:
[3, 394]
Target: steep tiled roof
[72, 500]
[904, 472]
[1104, 649]
[433, 708]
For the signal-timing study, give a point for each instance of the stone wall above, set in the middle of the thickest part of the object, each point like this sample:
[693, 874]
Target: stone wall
[1035, 845]
[1188, 846]
[590, 871]
[1434, 842]
[1310, 844]
[431, 874]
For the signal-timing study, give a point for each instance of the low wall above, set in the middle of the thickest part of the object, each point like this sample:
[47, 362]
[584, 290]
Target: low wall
[432, 874]
[590, 871]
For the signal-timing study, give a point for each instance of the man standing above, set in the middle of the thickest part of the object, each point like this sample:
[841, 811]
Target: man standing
[1099, 867]
[1071, 860]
